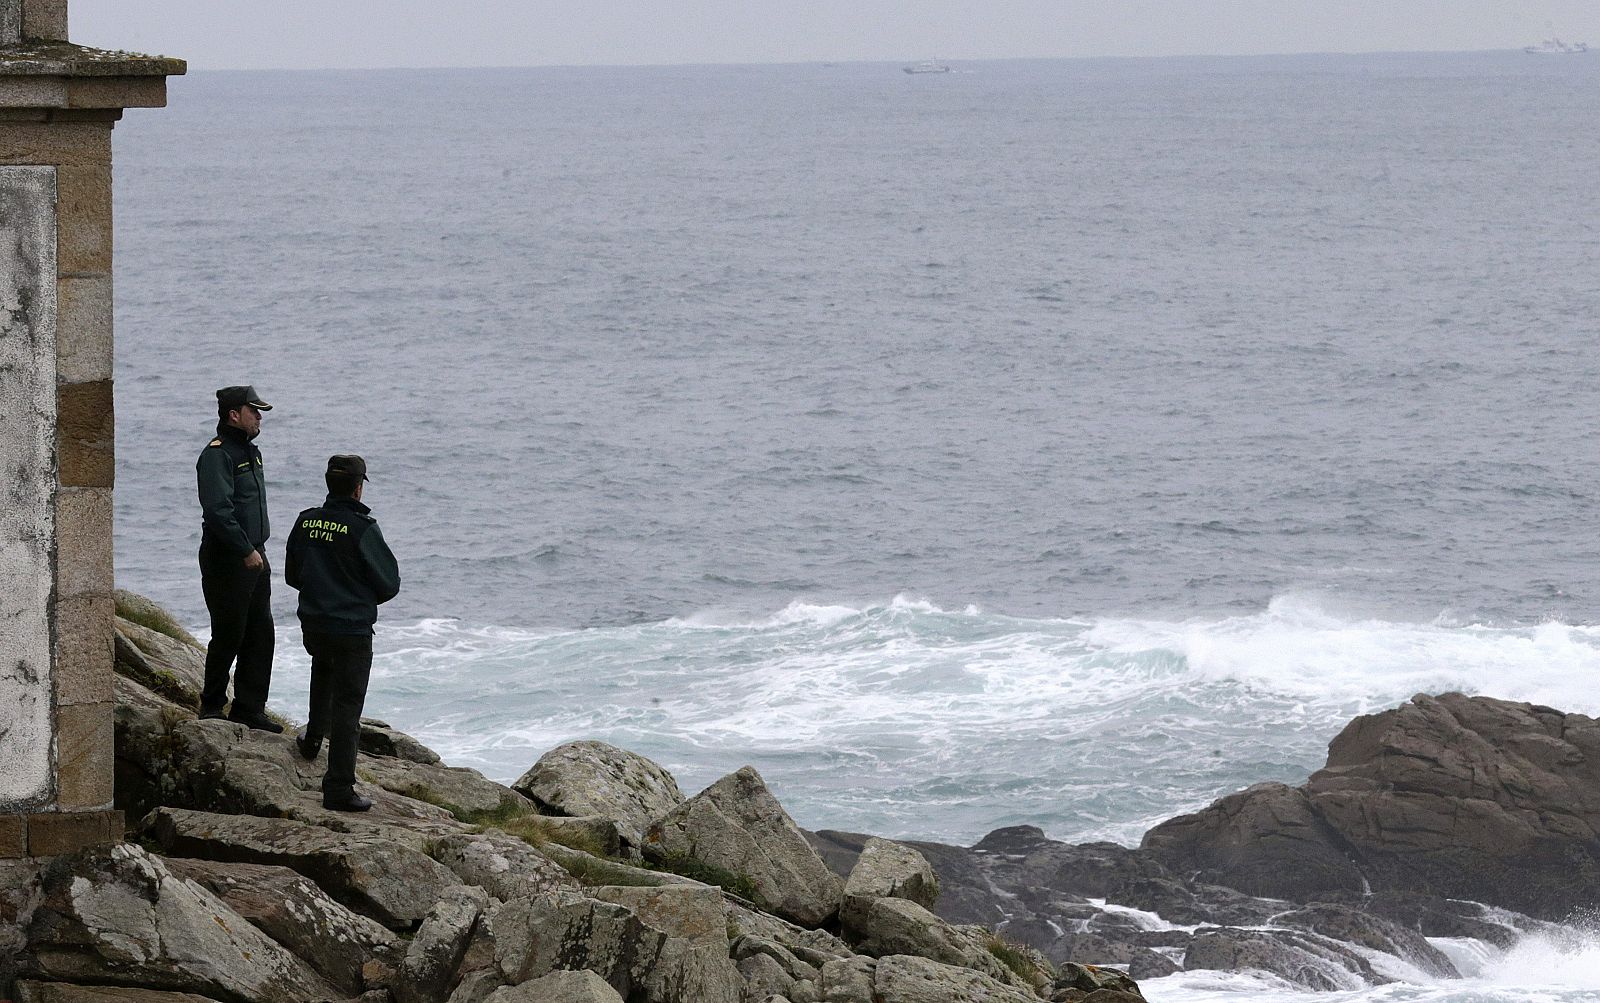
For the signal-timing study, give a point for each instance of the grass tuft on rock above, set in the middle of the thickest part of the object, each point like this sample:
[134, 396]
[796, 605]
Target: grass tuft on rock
[1014, 957]
[137, 609]
[538, 832]
[686, 866]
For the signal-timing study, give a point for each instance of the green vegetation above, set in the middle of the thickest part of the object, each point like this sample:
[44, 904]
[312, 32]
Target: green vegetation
[137, 609]
[686, 866]
[539, 831]
[1014, 957]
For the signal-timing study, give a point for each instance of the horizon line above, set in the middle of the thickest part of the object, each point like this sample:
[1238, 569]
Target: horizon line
[853, 62]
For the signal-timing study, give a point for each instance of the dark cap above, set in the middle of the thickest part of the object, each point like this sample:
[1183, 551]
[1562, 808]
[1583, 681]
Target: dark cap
[350, 464]
[234, 398]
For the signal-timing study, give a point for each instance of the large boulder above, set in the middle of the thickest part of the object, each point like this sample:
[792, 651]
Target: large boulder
[892, 870]
[737, 826]
[119, 916]
[593, 778]
[1449, 796]
[694, 914]
[293, 911]
[385, 880]
[533, 937]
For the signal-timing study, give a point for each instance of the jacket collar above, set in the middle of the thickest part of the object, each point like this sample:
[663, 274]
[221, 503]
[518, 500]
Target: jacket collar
[229, 432]
[339, 501]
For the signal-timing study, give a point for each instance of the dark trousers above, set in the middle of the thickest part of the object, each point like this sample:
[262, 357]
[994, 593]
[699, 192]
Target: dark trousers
[341, 664]
[240, 603]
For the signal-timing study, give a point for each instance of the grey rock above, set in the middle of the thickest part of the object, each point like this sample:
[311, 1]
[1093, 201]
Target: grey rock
[904, 979]
[694, 914]
[815, 947]
[379, 738]
[390, 882]
[503, 865]
[534, 937]
[441, 942]
[1090, 978]
[737, 825]
[293, 911]
[559, 987]
[164, 665]
[464, 793]
[588, 869]
[893, 926]
[792, 965]
[61, 992]
[593, 778]
[849, 980]
[893, 870]
[143, 742]
[764, 977]
[118, 914]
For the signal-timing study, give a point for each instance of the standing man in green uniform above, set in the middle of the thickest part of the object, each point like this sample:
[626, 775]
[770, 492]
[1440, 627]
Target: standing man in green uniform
[344, 570]
[234, 573]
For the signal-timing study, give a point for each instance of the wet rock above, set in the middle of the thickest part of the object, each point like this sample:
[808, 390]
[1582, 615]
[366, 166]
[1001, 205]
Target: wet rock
[297, 914]
[117, 914]
[892, 870]
[736, 825]
[1451, 796]
[392, 883]
[1301, 958]
[379, 738]
[1267, 840]
[593, 778]
[1361, 929]
[1148, 964]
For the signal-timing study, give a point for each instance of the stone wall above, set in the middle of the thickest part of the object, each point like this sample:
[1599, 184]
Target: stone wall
[27, 463]
[58, 103]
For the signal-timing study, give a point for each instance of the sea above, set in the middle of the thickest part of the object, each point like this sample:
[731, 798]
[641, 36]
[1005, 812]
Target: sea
[1064, 443]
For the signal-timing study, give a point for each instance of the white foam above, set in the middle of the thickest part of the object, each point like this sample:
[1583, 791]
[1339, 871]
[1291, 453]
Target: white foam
[909, 719]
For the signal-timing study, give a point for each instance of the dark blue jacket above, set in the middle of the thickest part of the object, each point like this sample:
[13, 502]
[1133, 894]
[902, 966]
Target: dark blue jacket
[233, 492]
[339, 561]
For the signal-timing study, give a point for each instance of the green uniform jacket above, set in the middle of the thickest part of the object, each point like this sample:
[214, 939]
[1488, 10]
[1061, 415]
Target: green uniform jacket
[342, 566]
[233, 492]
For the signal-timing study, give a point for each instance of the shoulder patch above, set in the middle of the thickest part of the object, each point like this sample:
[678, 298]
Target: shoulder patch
[214, 442]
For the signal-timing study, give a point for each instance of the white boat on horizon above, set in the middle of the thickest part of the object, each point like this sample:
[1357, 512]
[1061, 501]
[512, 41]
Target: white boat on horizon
[1556, 47]
[927, 66]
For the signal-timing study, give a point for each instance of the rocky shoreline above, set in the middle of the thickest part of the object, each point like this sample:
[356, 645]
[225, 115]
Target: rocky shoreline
[594, 879]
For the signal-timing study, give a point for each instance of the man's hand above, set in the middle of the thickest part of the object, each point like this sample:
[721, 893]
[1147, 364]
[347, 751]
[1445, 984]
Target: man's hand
[254, 561]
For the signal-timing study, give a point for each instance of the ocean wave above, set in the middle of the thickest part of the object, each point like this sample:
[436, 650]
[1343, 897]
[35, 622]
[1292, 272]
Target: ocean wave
[909, 718]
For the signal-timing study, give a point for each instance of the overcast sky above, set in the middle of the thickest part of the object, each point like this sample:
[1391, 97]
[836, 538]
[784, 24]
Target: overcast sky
[251, 34]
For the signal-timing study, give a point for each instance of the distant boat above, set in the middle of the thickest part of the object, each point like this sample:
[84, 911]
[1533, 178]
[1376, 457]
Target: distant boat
[1556, 47]
[927, 66]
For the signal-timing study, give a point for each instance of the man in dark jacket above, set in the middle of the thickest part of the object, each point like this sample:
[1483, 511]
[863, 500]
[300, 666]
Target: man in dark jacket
[234, 574]
[339, 561]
